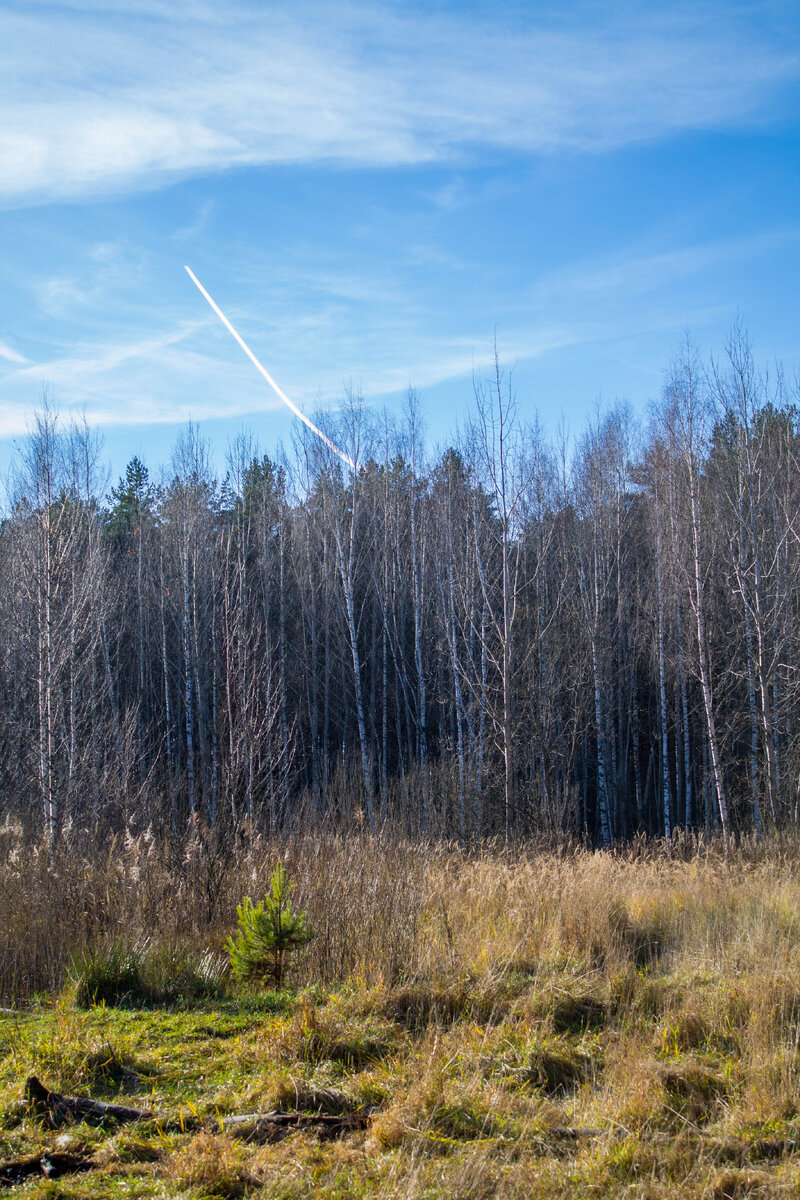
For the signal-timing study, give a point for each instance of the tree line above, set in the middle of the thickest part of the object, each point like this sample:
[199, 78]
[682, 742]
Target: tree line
[519, 634]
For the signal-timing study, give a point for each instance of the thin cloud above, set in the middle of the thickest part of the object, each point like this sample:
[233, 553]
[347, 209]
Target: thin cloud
[149, 379]
[199, 225]
[646, 273]
[107, 358]
[11, 355]
[151, 363]
[153, 379]
[98, 99]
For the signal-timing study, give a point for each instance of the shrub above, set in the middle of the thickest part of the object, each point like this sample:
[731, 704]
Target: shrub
[269, 932]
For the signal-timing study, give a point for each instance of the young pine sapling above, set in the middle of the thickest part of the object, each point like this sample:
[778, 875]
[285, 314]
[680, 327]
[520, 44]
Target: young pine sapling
[269, 932]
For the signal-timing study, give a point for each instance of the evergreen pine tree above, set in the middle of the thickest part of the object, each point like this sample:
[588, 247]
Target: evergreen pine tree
[268, 933]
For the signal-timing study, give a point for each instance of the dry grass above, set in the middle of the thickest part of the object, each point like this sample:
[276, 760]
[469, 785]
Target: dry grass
[478, 1008]
[365, 899]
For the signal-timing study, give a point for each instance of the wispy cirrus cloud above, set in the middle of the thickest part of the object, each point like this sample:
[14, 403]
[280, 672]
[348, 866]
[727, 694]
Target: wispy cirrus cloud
[98, 98]
[633, 275]
[99, 359]
[192, 369]
[10, 355]
[155, 380]
[199, 225]
[160, 367]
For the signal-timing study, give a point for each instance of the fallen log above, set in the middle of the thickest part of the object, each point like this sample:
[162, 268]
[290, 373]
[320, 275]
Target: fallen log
[250, 1127]
[273, 1126]
[57, 1108]
[50, 1164]
[769, 1148]
[12, 1173]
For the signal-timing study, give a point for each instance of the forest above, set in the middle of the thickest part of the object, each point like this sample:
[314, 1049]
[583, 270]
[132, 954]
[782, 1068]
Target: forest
[513, 636]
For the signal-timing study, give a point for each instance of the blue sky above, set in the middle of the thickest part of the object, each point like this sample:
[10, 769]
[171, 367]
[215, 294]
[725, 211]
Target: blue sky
[373, 192]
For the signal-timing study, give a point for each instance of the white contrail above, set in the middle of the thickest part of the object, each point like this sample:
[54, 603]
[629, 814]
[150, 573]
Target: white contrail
[278, 391]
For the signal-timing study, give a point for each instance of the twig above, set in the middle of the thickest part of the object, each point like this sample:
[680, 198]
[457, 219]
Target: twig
[272, 1126]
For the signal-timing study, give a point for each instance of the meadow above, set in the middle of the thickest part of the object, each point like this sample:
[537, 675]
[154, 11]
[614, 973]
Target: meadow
[530, 1023]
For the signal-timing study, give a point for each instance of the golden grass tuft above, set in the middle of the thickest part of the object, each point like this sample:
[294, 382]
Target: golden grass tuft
[211, 1163]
